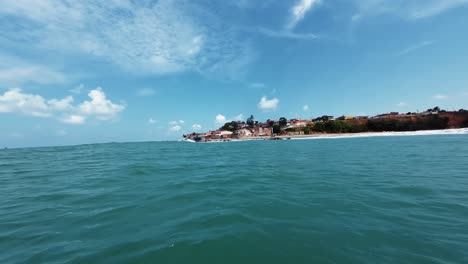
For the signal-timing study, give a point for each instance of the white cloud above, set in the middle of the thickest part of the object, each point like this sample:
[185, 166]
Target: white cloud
[74, 119]
[286, 34]
[146, 92]
[100, 106]
[440, 96]
[152, 121]
[196, 127]
[414, 47]
[161, 37]
[402, 104]
[173, 123]
[268, 105]
[16, 101]
[305, 108]
[220, 119]
[175, 128]
[238, 117]
[407, 9]
[61, 105]
[78, 89]
[299, 11]
[14, 71]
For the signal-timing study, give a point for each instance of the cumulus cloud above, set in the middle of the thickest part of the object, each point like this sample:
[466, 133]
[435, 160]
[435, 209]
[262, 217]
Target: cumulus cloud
[99, 107]
[175, 128]
[220, 119]
[74, 119]
[299, 11]
[159, 37]
[196, 127]
[266, 104]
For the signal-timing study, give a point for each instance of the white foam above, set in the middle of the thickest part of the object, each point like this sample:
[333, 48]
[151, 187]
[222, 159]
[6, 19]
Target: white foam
[457, 131]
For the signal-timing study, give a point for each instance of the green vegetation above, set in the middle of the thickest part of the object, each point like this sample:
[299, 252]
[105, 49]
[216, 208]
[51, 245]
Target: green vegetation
[230, 126]
[276, 129]
[338, 126]
[283, 121]
[419, 123]
[383, 124]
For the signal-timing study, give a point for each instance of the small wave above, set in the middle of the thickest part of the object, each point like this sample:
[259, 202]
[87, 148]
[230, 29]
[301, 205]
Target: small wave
[457, 131]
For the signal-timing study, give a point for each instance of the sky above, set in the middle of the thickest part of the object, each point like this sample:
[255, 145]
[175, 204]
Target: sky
[91, 71]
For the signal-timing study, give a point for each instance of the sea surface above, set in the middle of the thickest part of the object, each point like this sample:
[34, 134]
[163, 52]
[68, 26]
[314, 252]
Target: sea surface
[352, 200]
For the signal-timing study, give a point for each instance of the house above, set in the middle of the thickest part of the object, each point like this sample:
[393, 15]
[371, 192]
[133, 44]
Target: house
[262, 131]
[221, 134]
[298, 123]
[244, 132]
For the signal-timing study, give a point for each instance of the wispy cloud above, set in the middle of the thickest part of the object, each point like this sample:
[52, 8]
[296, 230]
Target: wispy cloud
[299, 11]
[162, 37]
[440, 96]
[146, 92]
[402, 104]
[286, 34]
[14, 71]
[98, 107]
[78, 89]
[414, 48]
[407, 9]
[305, 108]
[266, 104]
[152, 121]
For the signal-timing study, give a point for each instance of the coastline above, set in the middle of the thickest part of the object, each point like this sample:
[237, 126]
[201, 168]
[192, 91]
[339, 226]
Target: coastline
[452, 131]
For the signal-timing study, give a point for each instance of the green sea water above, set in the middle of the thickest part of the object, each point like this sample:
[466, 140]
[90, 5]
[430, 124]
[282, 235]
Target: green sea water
[357, 200]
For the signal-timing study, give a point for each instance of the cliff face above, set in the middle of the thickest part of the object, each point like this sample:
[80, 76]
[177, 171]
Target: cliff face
[401, 122]
[456, 119]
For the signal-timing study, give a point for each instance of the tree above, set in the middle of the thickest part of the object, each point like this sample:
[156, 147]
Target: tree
[250, 121]
[283, 121]
[271, 123]
[230, 126]
[276, 129]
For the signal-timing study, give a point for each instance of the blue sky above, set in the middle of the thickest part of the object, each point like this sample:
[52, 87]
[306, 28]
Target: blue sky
[74, 72]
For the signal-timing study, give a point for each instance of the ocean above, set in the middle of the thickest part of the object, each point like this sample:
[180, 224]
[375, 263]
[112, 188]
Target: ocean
[349, 200]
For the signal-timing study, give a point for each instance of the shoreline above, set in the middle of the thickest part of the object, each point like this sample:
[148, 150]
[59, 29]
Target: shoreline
[452, 131]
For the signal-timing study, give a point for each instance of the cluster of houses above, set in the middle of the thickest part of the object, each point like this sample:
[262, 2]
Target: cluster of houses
[255, 130]
[292, 127]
